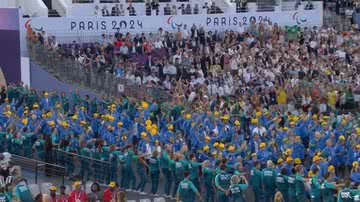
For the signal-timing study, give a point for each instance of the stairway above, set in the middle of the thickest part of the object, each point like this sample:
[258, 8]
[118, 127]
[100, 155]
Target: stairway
[53, 13]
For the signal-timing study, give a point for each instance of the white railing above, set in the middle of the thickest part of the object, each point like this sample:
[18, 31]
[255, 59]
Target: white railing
[61, 7]
[33, 8]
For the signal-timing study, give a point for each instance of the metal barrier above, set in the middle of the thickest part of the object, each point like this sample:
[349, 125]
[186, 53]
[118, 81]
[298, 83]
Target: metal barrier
[99, 81]
[84, 168]
[39, 168]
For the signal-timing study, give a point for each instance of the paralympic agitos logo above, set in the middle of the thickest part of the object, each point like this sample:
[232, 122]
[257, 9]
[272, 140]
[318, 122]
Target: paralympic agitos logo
[299, 18]
[170, 21]
[27, 25]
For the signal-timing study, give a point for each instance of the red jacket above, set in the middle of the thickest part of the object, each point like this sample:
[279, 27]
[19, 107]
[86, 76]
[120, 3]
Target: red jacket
[77, 196]
[108, 195]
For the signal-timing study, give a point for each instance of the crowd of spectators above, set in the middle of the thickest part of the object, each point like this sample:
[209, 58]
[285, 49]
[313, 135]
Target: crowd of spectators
[196, 63]
[152, 7]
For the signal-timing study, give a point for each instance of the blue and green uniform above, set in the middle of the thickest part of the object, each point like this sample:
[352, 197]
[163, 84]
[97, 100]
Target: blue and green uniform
[85, 165]
[256, 182]
[346, 195]
[113, 158]
[328, 190]
[208, 175]
[165, 161]
[154, 167]
[269, 180]
[222, 180]
[140, 169]
[27, 144]
[186, 191]
[282, 185]
[128, 157]
[237, 192]
[40, 149]
[23, 193]
[291, 188]
[315, 193]
[194, 168]
[300, 188]
[5, 197]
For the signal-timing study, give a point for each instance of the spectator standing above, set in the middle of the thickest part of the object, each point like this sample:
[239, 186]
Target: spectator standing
[115, 11]
[196, 9]
[174, 10]
[131, 10]
[105, 11]
[148, 8]
[78, 195]
[121, 10]
[167, 9]
[188, 9]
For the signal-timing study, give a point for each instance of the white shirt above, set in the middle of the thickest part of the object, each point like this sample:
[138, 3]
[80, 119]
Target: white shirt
[259, 130]
[169, 69]
[158, 45]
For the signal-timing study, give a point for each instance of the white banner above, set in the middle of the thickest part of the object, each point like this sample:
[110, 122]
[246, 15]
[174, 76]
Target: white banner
[77, 26]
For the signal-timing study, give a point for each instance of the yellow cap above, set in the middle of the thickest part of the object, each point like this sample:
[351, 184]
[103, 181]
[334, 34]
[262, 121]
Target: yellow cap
[205, 148]
[124, 137]
[82, 122]
[148, 127]
[357, 130]
[153, 131]
[109, 127]
[77, 183]
[225, 117]
[148, 122]
[355, 164]
[35, 106]
[143, 134]
[144, 105]
[110, 117]
[221, 146]
[324, 123]
[288, 151]
[297, 138]
[46, 94]
[253, 154]
[237, 123]
[24, 121]
[358, 146]
[214, 153]
[280, 160]
[216, 113]
[285, 129]
[170, 127]
[74, 117]
[297, 161]
[289, 159]
[316, 158]
[314, 116]
[207, 138]
[52, 188]
[292, 123]
[215, 144]
[154, 126]
[254, 121]
[51, 123]
[258, 114]
[49, 114]
[341, 137]
[188, 116]
[331, 168]
[231, 148]
[119, 123]
[310, 174]
[96, 115]
[113, 105]
[262, 145]
[112, 185]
